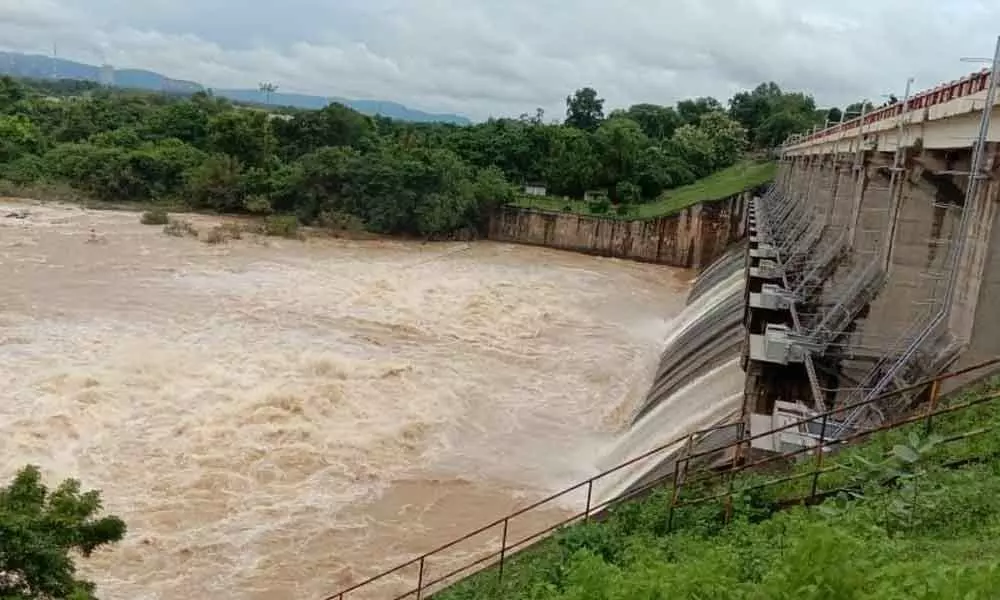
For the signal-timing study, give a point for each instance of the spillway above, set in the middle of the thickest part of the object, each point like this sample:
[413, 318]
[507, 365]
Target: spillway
[730, 262]
[699, 382]
[707, 333]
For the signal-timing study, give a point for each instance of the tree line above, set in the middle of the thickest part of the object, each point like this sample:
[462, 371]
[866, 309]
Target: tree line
[394, 177]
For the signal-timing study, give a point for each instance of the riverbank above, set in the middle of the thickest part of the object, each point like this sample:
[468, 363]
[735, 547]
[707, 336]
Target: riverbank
[745, 175]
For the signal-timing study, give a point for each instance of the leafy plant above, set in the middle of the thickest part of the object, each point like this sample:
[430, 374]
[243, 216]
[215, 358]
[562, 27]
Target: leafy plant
[282, 226]
[40, 529]
[221, 234]
[600, 206]
[155, 217]
[180, 228]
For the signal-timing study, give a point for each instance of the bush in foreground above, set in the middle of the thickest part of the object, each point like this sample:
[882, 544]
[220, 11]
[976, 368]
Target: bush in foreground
[155, 217]
[282, 226]
[40, 528]
[221, 234]
[180, 228]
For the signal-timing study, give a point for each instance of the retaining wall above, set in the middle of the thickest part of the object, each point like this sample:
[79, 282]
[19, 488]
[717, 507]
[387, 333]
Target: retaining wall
[691, 238]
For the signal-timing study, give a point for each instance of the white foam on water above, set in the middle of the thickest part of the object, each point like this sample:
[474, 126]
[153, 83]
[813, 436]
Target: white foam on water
[701, 404]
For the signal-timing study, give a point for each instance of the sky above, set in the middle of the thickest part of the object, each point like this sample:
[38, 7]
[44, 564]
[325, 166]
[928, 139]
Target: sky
[484, 58]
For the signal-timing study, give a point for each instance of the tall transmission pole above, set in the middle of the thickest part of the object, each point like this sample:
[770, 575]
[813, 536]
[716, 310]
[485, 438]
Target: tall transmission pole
[266, 89]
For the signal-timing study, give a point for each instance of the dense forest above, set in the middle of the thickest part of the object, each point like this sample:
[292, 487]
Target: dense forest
[335, 165]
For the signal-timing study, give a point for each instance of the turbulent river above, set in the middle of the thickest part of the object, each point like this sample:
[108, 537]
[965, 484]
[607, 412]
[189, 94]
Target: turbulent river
[280, 419]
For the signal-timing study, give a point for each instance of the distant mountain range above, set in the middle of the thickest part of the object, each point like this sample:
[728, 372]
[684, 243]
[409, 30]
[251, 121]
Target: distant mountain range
[45, 67]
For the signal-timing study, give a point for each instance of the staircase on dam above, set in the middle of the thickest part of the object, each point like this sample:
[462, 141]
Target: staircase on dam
[874, 259]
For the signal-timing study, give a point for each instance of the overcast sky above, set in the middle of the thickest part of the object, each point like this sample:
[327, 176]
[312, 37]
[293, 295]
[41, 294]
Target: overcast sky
[506, 57]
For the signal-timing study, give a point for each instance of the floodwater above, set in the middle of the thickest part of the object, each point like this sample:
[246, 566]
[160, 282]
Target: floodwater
[281, 419]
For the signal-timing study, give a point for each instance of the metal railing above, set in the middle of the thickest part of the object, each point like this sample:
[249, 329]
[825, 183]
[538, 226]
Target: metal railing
[685, 453]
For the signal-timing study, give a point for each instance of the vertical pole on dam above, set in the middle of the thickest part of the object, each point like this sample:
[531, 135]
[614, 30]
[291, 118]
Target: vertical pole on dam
[896, 178]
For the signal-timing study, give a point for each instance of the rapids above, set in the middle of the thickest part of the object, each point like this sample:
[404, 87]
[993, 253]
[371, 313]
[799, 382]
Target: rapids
[280, 419]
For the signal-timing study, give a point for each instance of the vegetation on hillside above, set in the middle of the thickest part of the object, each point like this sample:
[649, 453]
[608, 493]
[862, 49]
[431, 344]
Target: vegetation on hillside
[744, 175]
[918, 516]
[41, 530]
[334, 165]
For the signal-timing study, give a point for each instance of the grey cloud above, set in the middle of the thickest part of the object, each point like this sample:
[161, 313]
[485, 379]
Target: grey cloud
[484, 57]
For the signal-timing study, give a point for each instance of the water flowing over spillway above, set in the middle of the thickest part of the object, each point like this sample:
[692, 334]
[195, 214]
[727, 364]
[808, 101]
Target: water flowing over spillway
[707, 333]
[699, 382]
[731, 261]
[708, 400]
[281, 419]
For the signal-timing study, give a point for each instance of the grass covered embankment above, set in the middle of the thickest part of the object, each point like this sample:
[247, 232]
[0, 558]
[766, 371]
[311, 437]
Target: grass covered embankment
[920, 519]
[721, 184]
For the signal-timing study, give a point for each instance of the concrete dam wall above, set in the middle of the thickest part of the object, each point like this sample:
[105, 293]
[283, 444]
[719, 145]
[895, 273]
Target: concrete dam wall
[691, 238]
[874, 261]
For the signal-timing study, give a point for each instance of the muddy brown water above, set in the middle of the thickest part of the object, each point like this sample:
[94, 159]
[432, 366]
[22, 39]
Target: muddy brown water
[281, 419]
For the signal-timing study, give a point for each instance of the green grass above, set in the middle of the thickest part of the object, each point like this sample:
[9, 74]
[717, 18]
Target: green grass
[722, 184]
[915, 525]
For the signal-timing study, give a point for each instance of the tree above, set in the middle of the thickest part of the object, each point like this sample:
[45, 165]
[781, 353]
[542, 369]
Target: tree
[728, 138]
[186, 121]
[657, 122]
[396, 177]
[834, 115]
[11, 94]
[491, 190]
[777, 127]
[620, 141]
[217, 183]
[584, 110]
[243, 134]
[695, 147]
[659, 170]
[572, 164]
[39, 528]
[751, 109]
[333, 125]
[690, 111]
[18, 136]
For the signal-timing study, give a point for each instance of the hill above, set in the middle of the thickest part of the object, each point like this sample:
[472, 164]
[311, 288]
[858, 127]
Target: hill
[36, 66]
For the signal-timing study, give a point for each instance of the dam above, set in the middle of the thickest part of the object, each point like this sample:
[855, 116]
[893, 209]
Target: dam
[871, 263]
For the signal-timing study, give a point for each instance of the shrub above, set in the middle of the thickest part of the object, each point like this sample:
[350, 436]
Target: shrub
[600, 206]
[223, 233]
[180, 228]
[628, 192]
[339, 221]
[258, 205]
[282, 226]
[155, 217]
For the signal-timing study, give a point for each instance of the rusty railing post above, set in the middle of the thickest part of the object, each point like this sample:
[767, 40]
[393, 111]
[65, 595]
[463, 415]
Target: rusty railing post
[819, 459]
[503, 548]
[932, 406]
[737, 451]
[420, 579]
[590, 493]
[673, 496]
